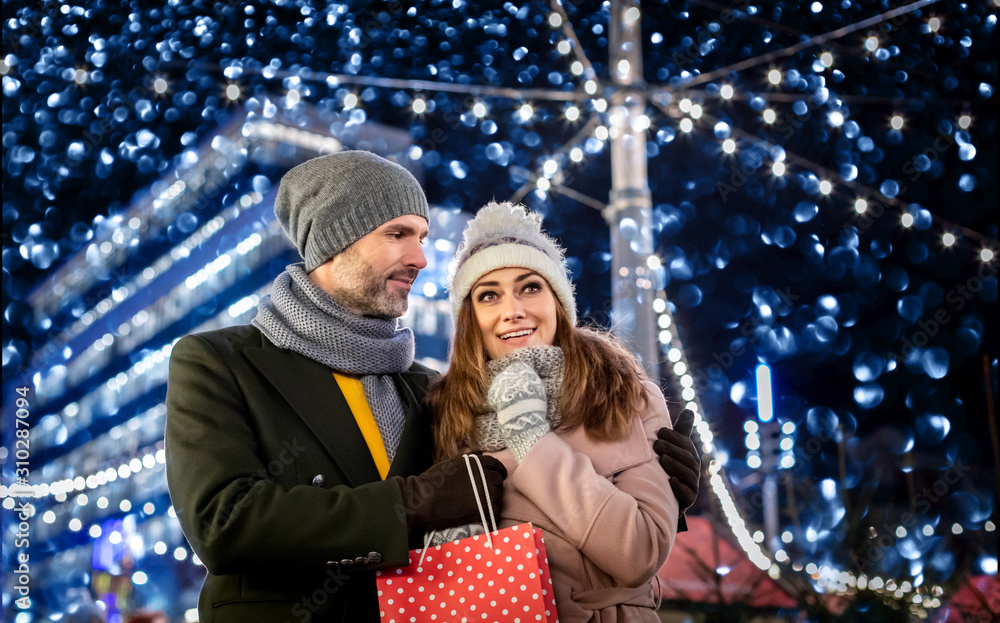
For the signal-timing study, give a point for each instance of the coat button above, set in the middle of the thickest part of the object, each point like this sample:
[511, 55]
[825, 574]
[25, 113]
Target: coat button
[347, 562]
[374, 558]
[318, 480]
[361, 560]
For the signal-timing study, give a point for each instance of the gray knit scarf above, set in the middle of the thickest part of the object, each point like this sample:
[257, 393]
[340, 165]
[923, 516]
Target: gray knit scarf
[301, 316]
[549, 363]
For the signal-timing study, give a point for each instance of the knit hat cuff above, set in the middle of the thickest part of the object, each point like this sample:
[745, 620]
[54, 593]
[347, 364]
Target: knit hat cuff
[512, 255]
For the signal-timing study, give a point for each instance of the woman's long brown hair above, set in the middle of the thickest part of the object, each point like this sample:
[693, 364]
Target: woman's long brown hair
[601, 390]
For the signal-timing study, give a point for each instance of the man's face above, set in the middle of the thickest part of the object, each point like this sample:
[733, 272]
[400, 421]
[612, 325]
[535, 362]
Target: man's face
[373, 276]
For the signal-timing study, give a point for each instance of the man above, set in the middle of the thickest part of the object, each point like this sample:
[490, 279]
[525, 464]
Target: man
[299, 457]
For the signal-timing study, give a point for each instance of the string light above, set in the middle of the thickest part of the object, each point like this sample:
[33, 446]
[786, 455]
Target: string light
[769, 116]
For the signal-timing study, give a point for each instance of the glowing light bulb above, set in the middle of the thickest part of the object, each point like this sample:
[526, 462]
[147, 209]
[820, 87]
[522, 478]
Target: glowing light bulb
[964, 122]
[948, 239]
[825, 187]
[479, 109]
[770, 116]
[871, 43]
[860, 206]
[934, 24]
[896, 122]
[726, 91]
[729, 145]
[906, 220]
[686, 125]
[526, 111]
[419, 106]
[986, 255]
[827, 59]
[350, 101]
[774, 77]
[233, 92]
[572, 113]
[778, 168]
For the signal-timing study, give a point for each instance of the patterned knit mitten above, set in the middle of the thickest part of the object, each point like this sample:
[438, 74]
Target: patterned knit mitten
[518, 397]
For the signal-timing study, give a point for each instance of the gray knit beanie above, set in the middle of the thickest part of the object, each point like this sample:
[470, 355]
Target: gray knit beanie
[508, 235]
[327, 203]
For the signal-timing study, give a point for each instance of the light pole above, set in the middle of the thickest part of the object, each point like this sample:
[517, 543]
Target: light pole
[629, 214]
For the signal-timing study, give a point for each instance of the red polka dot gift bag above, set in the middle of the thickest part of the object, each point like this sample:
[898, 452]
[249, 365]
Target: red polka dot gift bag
[501, 576]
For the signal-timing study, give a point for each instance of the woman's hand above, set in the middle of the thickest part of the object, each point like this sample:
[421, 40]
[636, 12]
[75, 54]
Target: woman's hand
[518, 397]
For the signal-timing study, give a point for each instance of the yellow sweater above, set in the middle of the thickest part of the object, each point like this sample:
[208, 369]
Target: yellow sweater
[355, 395]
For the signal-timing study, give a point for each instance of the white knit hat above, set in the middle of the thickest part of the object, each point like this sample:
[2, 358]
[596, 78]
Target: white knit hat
[507, 235]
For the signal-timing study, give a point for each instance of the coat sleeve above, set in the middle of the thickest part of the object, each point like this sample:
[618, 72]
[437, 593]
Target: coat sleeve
[626, 524]
[233, 513]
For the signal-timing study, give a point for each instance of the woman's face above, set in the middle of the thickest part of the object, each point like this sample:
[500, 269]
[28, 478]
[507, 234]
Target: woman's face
[514, 307]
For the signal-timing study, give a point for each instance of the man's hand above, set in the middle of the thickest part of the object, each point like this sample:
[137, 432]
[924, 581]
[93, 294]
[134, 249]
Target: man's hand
[442, 496]
[679, 457]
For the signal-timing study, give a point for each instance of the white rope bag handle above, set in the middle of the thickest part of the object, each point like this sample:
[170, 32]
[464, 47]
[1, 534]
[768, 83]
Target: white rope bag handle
[479, 504]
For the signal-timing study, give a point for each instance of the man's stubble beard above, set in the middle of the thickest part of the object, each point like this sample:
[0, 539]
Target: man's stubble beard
[364, 291]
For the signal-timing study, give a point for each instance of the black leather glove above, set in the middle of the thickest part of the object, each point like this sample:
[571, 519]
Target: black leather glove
[442, 496]
[679, 457]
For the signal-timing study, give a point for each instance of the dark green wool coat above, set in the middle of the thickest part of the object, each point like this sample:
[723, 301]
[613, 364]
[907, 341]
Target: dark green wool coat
[274, 485]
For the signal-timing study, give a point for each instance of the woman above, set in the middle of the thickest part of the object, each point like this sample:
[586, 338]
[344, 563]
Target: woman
[567, 410]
